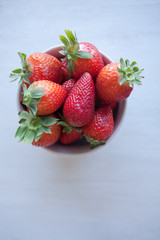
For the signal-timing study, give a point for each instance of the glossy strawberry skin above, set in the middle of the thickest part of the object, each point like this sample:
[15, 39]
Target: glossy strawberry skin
[108, 87]
[44, 66]
[79, 106]
[92, 66]
[53, 99]
[48, 139]
[68, 85]
[68, 138]
[101, 126]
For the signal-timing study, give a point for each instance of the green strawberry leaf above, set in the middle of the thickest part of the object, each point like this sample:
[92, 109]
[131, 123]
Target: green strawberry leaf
[37, 138]
[24, 114]
[93, 143]
[32, 126]
[30, 88]
[24, 79]
[46, 121]
[13, 77]
[37, 92]
[122, 63]
[71, 50]
[33, 108]
[70, 66]
[22, 56]
[62, 52]
[123, 80]
[32, 96]
[133, 63]
[64, 40]
[67, 127]
[29, 137]
[21, 131]
[71, 37]
[22, 121]
[46, 129]
[119, 70]
[84, 54]
[130, 72]
[19, 70]
[24, 89]
[127, 62]
[39, 131]
[73, 56]
[136, 69]
[21, 73]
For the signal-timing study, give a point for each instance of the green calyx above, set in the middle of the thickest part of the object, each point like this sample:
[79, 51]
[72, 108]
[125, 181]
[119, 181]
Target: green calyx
[71, 50]
[21, 73]
[93, 143]
[130, 72]
[32, 96]
[67, 127]
[32, 126]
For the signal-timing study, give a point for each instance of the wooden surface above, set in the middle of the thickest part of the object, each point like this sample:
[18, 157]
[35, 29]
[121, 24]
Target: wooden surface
[112, 193]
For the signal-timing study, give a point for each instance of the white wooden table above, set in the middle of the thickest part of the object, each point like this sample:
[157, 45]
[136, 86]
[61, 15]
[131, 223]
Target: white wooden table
[112, 193]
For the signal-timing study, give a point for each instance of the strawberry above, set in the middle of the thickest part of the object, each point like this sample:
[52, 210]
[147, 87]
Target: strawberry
[68, 138]
[38, 130]
[36, 67]
[68, 85]
[44, 97]
[70, 133]
[79, 57]
[79, 106]
[100, 128]
[115, 81]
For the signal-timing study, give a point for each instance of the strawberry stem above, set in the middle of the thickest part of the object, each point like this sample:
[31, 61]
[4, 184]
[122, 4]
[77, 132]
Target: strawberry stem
[71, 50]
[130, 72]
[93, 143]
[21, 73]
[32, 96]
[67, 127]
[32, 126]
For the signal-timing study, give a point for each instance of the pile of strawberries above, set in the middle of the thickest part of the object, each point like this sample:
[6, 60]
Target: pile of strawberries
[72, 97]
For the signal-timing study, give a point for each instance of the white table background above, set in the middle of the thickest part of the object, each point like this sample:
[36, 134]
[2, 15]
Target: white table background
[112, 193]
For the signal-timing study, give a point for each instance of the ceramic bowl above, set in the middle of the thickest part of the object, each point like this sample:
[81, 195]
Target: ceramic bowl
[81, 146]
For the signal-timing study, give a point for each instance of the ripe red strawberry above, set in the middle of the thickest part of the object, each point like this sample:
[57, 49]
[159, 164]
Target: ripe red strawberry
[68, 85]
[44, 97]
[49, 139]
[79, 106]
[80, 57]
[101, 126]
[115, 81]
[38, 130]
[38, 66]
[68, 138]
[70, 133]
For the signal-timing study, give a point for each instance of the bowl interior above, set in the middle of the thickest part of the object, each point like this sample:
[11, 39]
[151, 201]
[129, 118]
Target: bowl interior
[80, 146]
